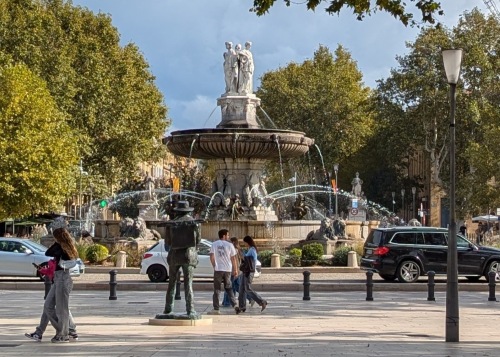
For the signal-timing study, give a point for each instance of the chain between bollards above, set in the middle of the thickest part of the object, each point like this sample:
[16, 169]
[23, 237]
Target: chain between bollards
[492, 284]
[307, 284]
[112, 285]
[369, 285]
[178, 286]
[430, 286]
[48, 283]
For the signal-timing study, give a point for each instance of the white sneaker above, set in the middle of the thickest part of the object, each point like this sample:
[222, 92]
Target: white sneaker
[213, 312]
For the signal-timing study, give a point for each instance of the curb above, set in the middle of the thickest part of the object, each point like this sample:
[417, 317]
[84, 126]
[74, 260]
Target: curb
[205, 286]
[285, 270]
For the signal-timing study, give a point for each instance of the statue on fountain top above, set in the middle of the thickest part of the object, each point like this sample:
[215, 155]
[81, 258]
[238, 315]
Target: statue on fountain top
[238, 69]
[356, 185]
[231, 68]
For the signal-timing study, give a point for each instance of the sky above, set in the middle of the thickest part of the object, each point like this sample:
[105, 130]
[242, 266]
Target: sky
[183, 42]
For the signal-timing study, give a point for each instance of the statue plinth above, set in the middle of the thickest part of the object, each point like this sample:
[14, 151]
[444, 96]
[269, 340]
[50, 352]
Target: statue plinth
[261, 213]
[148, 209]
[239, 111]
[180, 320]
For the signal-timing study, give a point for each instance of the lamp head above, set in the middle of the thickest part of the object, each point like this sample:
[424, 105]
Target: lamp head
[336, 167]
[452, 59]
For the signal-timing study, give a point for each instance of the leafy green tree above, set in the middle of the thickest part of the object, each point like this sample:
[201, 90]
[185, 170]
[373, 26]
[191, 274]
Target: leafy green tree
[397, 8]
[106, 91]
[413, 109]
[37, 146]
[325, 98]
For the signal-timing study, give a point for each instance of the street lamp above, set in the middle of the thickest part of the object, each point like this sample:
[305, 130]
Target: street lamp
[336, 169]
[393, 202]
[452, 60]
[413, 191]
[403, 202]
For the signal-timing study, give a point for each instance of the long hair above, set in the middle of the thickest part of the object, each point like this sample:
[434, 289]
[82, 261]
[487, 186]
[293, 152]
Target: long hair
[62, 236]
[249, 240]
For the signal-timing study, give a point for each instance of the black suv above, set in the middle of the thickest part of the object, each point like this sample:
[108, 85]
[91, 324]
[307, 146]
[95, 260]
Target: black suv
[406, 253]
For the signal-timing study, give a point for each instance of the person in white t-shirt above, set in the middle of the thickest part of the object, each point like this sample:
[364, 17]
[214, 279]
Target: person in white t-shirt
[224, 260]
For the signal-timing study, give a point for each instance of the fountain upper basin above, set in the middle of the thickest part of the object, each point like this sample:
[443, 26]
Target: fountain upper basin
[238, 143]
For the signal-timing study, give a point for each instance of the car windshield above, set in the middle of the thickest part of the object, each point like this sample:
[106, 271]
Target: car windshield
[36, 246]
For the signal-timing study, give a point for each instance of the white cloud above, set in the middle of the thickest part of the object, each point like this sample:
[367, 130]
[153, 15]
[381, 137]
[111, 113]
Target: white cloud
[183, 41]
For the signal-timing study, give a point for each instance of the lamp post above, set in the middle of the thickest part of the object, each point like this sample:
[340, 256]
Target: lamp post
[452, 60]
[413, 191]
[393, 202]
[336, 169]
[403, 202]
[329, 183]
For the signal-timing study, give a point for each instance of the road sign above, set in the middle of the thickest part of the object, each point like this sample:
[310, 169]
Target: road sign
[354, 211]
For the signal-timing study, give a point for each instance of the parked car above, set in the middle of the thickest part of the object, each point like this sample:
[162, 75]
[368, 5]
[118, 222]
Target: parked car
[154, 262]
[406, 253]
[18, 255]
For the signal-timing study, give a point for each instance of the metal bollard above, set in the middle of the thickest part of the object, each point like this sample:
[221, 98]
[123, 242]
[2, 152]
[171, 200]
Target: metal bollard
[112, 285]
[178, 286]
[492, 284]
[430, 286]
[307, 284]
[369, 285]
[48, 284]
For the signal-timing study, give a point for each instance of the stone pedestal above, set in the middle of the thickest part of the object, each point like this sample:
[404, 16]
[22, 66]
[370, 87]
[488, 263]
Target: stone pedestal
[148, 209]
[238, 111]
[261, 213]
[181, 320]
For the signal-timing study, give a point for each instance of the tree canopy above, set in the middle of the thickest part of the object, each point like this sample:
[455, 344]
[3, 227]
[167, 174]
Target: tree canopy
[325, 98]
[37, 146]
[105, 91]
[429, 9]
[413, 109]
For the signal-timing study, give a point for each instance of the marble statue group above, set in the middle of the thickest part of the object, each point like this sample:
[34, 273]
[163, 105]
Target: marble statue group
[238, 69]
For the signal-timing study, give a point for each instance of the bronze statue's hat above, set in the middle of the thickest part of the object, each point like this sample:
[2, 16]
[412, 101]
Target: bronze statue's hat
[183, 206]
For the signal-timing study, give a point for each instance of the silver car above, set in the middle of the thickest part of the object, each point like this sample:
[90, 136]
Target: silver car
[154, 262]
[18, 257]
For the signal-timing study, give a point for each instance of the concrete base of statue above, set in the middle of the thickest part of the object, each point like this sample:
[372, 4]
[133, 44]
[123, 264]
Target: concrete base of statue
[180, 320]
[148, 209]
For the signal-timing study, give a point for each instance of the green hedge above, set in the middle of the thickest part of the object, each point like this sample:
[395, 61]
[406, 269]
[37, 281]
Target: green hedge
[97, 253]
[311, 254]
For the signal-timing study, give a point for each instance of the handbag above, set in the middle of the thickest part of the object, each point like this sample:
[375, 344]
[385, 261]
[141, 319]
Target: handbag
[48, 269]
[67, 264]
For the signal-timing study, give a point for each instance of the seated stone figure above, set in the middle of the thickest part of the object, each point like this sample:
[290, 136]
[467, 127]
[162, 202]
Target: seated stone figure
[235, 209]
[339, 228]
[300, 210]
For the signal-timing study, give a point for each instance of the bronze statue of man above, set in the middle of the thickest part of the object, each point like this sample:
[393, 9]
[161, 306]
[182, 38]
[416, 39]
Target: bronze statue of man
[182, 237]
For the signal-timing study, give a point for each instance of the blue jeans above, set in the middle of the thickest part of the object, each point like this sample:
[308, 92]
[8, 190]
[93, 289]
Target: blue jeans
[235, 282]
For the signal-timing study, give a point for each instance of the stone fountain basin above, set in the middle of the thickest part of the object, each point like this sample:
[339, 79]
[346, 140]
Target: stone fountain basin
[238, 143]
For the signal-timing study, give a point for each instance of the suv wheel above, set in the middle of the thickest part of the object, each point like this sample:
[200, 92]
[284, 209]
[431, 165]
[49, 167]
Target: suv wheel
[157, 273]
[408, 271]
[494, 266]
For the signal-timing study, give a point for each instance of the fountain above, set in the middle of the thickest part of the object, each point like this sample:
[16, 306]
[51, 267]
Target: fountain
[239, 146]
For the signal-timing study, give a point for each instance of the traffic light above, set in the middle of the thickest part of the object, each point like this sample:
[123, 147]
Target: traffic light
[103, 203]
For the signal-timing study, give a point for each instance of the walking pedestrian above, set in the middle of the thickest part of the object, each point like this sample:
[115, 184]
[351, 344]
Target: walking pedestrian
[57, 301]
[223, 259]
[248, 270]
[235, 280]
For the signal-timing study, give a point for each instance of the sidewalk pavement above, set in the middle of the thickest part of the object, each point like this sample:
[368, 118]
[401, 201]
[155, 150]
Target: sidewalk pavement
[330, 324]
